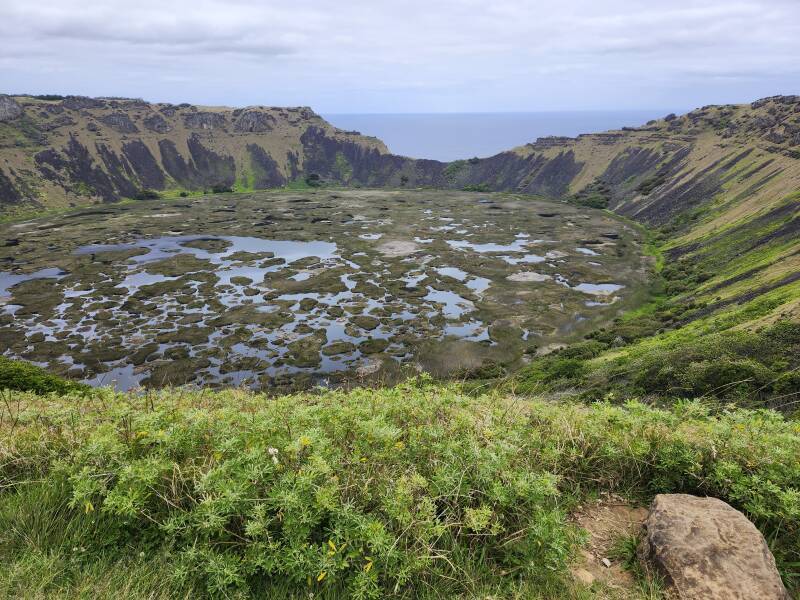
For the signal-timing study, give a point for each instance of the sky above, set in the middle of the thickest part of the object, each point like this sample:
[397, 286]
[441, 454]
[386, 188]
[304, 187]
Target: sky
[390, 56]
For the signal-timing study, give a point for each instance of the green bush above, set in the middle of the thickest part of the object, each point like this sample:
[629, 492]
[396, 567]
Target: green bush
[313, 180]
[544, 372]
[749, 368]
[413, 491]
[146, 195]
[23, 376]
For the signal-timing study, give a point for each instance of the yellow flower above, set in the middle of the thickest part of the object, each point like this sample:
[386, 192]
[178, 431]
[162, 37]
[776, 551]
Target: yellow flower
[88, 507]
[399, 445]
[367, 567]
[321, 576]
[305, 441]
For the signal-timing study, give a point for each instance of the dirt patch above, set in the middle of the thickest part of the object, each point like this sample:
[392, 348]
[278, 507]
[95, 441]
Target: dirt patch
[529, 277]
[398, 248]
[606, 521]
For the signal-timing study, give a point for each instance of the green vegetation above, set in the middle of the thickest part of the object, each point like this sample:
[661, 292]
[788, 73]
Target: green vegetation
[452, 170]
[412, 491]
[595, 195]
[749, 368]
[23, 376]
[313, 180]
[342, 168]
[147, 195]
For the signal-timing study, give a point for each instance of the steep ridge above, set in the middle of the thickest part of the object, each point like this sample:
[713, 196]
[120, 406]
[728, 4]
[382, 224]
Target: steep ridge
[57, 152]
[727, 162]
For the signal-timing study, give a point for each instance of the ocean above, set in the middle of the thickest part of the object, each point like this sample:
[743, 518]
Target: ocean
[450, 136]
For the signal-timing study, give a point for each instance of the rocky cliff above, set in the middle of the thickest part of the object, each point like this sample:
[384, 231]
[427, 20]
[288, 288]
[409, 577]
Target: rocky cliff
[73, 150]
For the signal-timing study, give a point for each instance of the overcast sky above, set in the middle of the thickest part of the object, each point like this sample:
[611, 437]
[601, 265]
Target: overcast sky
[406, 55]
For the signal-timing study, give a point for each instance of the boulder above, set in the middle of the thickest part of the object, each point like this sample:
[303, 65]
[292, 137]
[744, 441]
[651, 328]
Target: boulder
[706, 549]
[9, 108]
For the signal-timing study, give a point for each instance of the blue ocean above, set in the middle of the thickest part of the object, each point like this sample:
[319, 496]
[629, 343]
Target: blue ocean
[450, 136]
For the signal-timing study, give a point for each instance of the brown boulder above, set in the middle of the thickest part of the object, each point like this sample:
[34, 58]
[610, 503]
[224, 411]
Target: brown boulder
[706, 549]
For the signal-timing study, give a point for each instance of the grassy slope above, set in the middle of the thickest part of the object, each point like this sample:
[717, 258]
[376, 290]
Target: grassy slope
[722, 322]
[413, 491]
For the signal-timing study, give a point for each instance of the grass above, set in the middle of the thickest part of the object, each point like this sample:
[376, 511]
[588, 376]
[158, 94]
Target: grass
[411, 491]
[625, 549]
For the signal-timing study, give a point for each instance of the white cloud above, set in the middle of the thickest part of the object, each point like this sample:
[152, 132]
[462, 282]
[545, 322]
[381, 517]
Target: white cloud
[417, 56]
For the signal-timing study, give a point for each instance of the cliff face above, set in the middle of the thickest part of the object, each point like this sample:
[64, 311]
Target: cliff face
[75, 150]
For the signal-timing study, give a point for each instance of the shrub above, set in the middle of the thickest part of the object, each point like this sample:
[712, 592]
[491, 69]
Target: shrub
[363, 493]
[221, 188]
[410, 491]
[23, 376]
[146, 195]
[313, 180]
[547, 370]
[750, 368]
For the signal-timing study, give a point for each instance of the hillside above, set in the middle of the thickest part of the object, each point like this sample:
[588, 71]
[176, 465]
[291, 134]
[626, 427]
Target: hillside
[76, 150]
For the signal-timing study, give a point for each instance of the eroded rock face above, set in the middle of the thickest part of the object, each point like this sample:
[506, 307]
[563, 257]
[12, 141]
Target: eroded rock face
[253, 121]
[706, 549]
[157, 123]
[120, 122]
[9, 109]
[81, 103]
[204, 120]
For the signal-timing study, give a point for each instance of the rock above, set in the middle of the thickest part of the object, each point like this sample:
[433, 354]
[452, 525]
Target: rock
[706, 549]
[204, 120]
[606, 563]
[9, 109]
[81, 103]
[157, 123]
[775, 137]
[119, 122]
[253, 121]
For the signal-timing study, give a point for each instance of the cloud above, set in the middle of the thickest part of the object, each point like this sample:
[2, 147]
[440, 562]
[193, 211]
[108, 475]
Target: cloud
[416, 55]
